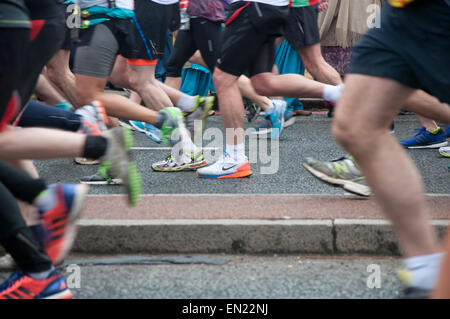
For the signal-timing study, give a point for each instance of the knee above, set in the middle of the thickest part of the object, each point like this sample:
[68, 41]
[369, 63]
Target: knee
[351, 135]
[222, 80]
[263, 85]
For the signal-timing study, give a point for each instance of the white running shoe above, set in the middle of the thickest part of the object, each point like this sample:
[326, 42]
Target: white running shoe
[226, 167]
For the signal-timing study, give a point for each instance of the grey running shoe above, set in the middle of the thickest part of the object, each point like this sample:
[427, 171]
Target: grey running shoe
[186, 162]
[341, 172]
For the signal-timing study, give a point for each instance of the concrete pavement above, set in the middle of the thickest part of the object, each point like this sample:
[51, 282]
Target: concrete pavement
[289, 212]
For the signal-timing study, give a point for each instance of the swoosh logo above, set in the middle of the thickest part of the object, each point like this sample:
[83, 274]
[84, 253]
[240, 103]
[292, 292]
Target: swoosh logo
[226, 168]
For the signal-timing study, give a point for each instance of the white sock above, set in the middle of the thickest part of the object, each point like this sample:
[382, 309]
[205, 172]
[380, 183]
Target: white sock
[187, 102]
[191, 147]
[237, 152]
[41, 275]
[425, 270]
[332, 93]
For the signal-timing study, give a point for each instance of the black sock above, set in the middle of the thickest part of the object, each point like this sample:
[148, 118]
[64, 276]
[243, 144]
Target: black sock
[95, 147]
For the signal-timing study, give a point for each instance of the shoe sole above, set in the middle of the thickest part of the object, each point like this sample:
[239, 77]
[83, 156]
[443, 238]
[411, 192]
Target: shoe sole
[74, 215]
[114, 181]
[350, 186]
[429, 146]
[154, 139]
[190, 167]
[242, 171]
[65, 294]
[445, 155]
[289, 122]
[136, 128]
[83, 161]
[128, 126]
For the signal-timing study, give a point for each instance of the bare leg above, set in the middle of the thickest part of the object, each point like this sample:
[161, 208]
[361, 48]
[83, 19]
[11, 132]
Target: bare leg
[46, 92]
[61, 76]
[40, 144]
[230, 104]
[361, 126]
[287, 85]
[317, 66]
[247, 90]
[442, 290]
[91, 88]
[143, 81]
[429, 124]
[428, 106]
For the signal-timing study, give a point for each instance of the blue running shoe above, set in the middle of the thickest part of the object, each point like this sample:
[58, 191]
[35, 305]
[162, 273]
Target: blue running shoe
[447, 131]
[273, 122]
[58, 218]
[149, 130]
[289, 118]
[425, 139]
[276, 117]
[22, 286]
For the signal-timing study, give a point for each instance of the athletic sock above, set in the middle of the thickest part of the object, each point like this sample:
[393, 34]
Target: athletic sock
[64, 105]
[332, 93]
[95, 147]
[424, 270]
[187, 102]
[236, 152]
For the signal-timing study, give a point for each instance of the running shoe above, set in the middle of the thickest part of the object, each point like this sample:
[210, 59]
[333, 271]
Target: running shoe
[93, 119]
[411, 292]
[173, 129]
[58, 224]
[341, 172]
[253, 111]
[426, 139]
[22, 286]
[149, 130]
[289, 118]
[119, 163]
[274, 121]
[124, 123]
[447, 131]
[226, 167]
[186, 162]
[199, 113]
[86, 161]
[445, 151]
[97, 179]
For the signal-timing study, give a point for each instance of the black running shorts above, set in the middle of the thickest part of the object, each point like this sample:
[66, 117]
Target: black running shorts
[302, 28]
[249, 36]
[412, 47]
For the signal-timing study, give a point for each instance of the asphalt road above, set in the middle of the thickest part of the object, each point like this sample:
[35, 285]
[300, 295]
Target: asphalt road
[237, 277]
[310, 136]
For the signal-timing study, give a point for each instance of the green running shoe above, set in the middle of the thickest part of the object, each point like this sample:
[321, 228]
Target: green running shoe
[118, 162]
